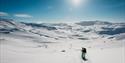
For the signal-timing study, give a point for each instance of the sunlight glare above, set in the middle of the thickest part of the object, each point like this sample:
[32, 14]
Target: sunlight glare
[78, 3]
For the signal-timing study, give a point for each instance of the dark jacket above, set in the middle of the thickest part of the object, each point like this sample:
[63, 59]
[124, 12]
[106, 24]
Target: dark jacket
[84, 50]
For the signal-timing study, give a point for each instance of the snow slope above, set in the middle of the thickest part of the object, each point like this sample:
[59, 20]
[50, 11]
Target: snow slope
[61, 43]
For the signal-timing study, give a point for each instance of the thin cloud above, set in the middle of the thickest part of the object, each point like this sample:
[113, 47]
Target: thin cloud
[3, 14]
[23, 15]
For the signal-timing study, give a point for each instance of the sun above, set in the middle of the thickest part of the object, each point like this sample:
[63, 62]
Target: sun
[78, 3]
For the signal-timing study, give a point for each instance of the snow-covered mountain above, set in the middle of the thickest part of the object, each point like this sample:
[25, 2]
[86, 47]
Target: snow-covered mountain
[89, 23]
[65, 30]
[22, 42]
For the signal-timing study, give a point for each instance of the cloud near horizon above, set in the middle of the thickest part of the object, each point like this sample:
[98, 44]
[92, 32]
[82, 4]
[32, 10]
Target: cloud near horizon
[23, 15]
[3, 14]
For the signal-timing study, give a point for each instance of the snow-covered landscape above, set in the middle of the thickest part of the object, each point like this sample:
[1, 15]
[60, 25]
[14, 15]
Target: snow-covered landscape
[22, 42]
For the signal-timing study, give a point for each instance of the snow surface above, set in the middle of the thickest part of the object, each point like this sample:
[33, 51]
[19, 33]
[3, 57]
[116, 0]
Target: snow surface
[61, 45]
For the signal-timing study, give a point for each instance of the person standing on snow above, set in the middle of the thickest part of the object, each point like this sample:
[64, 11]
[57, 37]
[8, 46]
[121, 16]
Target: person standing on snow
[84, 54]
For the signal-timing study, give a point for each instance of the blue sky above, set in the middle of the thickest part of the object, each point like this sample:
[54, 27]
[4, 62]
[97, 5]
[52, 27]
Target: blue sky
[63, 10]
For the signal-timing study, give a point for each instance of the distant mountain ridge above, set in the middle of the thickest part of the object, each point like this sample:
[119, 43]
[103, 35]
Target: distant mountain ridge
[89, 23]
[78, 30]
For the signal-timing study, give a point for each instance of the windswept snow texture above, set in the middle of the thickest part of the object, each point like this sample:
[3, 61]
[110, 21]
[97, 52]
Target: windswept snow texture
[61, 42]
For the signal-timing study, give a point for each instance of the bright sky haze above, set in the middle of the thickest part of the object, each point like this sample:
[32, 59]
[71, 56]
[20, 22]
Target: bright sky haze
[63, 10]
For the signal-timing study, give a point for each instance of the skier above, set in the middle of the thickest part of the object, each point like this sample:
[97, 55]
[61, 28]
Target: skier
[84, 54]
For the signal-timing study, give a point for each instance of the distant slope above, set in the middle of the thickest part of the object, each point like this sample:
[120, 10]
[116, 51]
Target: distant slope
[84, 30]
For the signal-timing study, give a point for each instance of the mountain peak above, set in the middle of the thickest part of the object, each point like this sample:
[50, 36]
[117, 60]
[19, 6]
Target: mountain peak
[89, 23]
